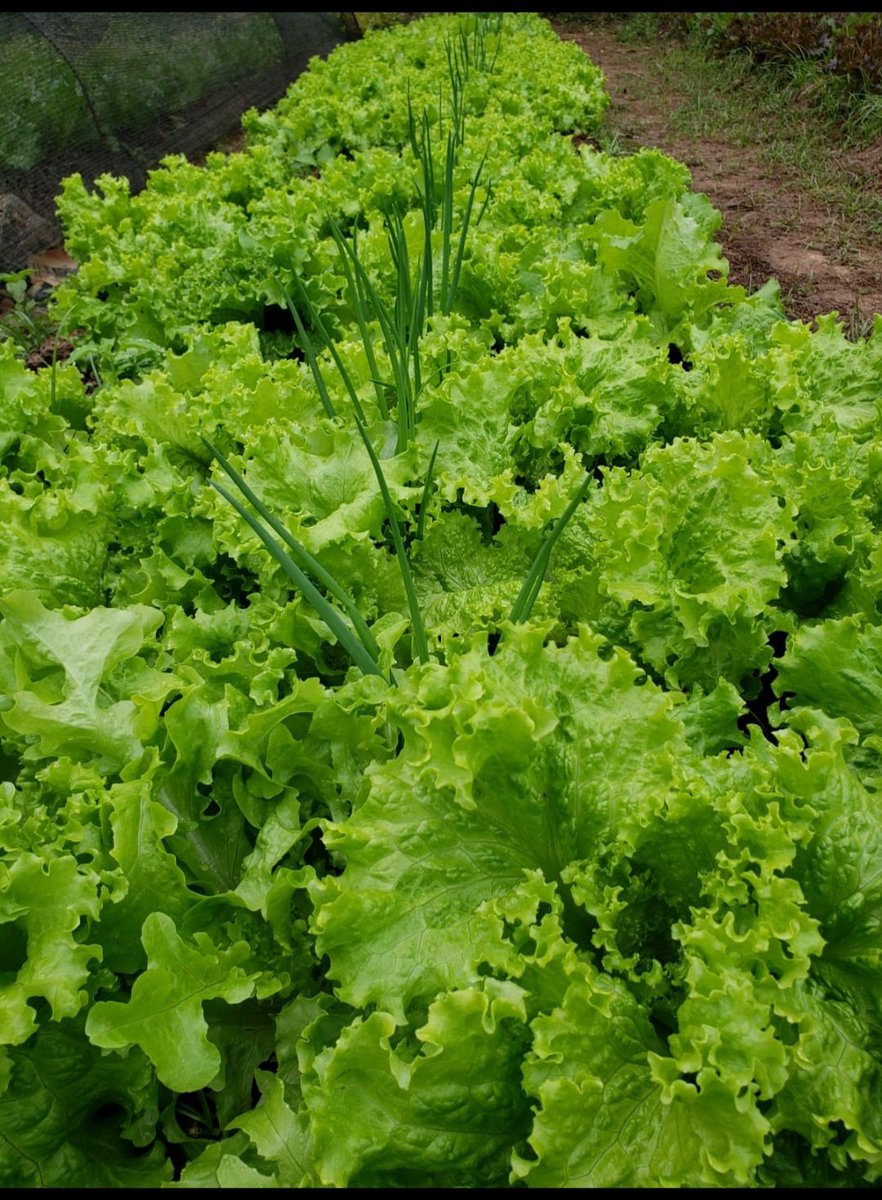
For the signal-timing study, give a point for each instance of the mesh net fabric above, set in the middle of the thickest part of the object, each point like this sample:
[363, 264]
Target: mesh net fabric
[115, 92]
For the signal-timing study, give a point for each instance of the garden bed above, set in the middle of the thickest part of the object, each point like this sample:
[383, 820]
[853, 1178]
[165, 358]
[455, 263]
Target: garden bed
[440, 665]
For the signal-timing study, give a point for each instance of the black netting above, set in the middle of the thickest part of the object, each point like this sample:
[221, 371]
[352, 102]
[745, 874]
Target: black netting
[115, 92]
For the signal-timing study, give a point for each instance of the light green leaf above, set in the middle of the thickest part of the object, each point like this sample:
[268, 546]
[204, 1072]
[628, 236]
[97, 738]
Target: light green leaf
[462, 584]
[834, 1079]
[681, 560]
[42, 905]
[164, 1014]
[52, 547]
[152, 880]
[280, 1136]
[445, 1116]
[836, 666]
[220, 1166]
[669, 257]
[514, 762]
[609, 1117]
[64, 703]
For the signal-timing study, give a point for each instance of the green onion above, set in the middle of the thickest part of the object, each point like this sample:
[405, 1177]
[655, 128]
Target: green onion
[523, 606]
[323, 607]
[305, 560]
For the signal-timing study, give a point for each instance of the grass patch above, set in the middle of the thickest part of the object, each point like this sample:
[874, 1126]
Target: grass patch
[784, 115]
[815, 128]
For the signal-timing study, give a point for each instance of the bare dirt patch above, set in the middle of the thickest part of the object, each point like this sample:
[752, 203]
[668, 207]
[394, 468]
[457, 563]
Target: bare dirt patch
[770, 228]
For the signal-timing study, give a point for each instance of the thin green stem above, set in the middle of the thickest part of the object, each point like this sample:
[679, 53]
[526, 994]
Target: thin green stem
[301, 555]
[401, 344]
[523, 605]
[416, 617]
[450, 294]
[360, 306]
[331, 617]
[317, 322]
[308, 348]
[424, 499]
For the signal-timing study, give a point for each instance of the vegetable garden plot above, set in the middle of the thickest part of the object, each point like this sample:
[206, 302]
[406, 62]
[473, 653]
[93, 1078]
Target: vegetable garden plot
[479, 784]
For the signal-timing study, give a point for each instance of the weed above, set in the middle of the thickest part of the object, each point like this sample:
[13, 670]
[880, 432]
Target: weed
[23, 318]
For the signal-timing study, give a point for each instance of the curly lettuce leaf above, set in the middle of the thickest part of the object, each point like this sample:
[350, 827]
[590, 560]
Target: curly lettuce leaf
[444, 1110]
[836, 665]
[670, 257]
[82, 687]
[681, 560]
[43, 905]
[608, 1117]
[510, 763]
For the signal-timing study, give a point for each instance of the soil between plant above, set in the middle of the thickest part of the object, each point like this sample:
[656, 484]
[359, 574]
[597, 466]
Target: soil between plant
[770, 227]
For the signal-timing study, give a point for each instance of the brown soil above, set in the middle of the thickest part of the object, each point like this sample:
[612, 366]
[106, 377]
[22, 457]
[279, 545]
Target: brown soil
[770, 227]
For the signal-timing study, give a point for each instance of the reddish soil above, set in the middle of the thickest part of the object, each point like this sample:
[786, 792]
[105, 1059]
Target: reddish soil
[770, 227]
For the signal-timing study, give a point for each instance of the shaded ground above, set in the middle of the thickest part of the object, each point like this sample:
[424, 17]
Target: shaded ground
[770, 227]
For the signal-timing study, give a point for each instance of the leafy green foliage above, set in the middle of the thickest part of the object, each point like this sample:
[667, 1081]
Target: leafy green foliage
[439, 668]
